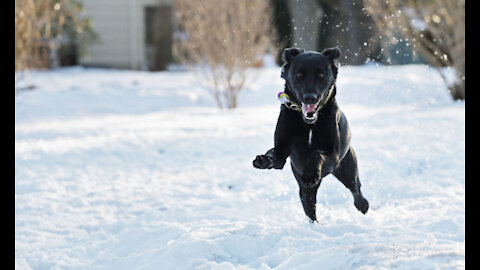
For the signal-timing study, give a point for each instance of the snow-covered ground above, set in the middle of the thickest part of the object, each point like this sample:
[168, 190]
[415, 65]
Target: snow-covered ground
[138, 170]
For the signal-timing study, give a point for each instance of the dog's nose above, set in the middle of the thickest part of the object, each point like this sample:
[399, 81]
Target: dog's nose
[310, 98]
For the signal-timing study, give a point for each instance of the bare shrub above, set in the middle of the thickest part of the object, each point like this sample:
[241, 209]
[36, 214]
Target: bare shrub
[436, 29]
[221, 39]
[33, 25]
[42, 27]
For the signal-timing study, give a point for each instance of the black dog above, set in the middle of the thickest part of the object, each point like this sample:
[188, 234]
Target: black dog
[311, 128]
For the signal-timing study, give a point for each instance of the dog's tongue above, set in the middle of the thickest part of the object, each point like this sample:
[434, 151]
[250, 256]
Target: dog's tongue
[308, 108]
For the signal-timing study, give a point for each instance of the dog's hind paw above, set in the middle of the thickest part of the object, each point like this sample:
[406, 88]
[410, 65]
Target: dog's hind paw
[361, 203]
[263, 162]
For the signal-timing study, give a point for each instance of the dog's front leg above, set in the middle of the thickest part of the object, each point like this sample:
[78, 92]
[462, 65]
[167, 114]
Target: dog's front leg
[312, 171]
[277, 156]
[318, 164]
[272, 159]
[330, 162]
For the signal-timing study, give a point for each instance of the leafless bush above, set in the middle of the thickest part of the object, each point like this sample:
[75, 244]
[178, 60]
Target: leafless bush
[43, 26]
[33, 29]
[434, 28]
[221, 39]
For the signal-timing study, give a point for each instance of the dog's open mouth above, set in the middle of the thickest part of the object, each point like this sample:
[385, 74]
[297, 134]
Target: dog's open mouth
[309, 112]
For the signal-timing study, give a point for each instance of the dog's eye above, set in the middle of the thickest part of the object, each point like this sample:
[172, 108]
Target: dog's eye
[299, 75]
[321, 75]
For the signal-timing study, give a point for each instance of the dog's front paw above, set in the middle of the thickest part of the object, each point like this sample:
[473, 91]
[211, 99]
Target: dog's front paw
[263, 162]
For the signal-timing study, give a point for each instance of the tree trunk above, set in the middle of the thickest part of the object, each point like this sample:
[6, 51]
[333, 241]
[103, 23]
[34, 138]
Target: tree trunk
[305, 17]
[458, 90]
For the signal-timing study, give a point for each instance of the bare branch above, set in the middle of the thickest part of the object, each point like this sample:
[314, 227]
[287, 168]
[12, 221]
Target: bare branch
[436, 29]
[225, 36]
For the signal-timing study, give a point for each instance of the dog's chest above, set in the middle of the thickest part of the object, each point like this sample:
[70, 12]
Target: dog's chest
[305, 140]
[310, 138]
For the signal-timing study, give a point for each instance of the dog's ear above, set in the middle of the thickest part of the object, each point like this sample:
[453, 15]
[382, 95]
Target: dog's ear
[332, 53]
[290, 53]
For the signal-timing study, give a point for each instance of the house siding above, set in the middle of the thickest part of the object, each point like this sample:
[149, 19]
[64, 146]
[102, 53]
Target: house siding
[120, 25]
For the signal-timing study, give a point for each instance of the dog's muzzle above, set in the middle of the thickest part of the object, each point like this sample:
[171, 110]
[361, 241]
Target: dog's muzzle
[309, 112]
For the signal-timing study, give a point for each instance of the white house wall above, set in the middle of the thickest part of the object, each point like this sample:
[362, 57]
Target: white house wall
[121, 30]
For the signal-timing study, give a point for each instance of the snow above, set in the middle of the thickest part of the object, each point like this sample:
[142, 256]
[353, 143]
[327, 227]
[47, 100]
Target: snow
[139, 170]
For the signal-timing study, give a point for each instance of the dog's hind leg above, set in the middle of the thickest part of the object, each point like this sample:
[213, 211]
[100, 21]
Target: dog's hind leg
[347, 173]
[308, 197]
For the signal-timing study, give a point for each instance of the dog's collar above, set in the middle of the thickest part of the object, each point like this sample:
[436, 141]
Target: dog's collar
[285, 100]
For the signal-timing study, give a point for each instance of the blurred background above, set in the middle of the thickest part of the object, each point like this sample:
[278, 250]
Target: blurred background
[157, 35]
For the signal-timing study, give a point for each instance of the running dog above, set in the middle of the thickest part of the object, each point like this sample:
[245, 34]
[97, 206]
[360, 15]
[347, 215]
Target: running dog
[311, 129]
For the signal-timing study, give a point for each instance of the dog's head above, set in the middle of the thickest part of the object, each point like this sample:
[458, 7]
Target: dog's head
[309, 76]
